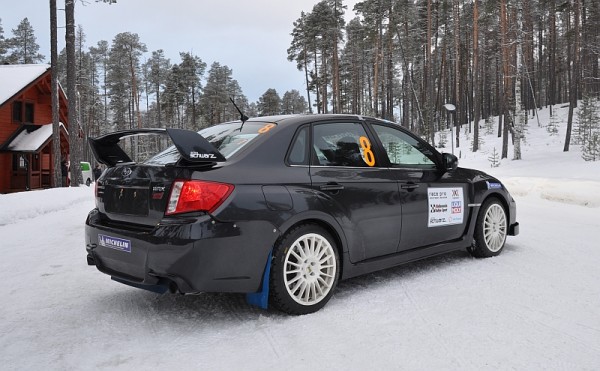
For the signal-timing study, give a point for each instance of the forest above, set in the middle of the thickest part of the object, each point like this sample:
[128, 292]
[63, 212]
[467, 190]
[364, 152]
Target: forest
[429, 65]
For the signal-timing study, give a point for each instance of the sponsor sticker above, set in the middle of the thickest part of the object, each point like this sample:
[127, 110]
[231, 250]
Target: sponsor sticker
[492, 185]
[204, 156]
[114, 243]
[446, 206]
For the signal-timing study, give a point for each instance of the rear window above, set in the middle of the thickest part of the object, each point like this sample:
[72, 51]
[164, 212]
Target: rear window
[85, 166]
[227, 138]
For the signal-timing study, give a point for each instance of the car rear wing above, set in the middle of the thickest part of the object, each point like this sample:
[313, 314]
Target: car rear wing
[192, 147]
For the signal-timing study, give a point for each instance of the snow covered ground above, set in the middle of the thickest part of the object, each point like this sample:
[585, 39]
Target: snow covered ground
[536, 306]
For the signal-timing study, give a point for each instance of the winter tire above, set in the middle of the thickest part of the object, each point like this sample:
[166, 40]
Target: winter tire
[304, 270]
[491, 229]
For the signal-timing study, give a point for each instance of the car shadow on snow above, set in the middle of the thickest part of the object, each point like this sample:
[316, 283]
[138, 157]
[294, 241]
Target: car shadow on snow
[225, 308]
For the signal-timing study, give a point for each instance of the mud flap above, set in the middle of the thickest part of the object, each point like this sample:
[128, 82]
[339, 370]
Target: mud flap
[261, 298]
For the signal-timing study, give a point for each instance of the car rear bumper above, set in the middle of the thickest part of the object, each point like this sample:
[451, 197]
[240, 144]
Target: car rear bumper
[186, 254]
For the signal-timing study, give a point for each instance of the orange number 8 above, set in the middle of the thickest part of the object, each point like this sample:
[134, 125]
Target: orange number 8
[368, 155]
[266, 128]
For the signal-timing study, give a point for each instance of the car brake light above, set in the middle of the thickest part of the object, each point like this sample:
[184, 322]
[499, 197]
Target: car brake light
[194, 195]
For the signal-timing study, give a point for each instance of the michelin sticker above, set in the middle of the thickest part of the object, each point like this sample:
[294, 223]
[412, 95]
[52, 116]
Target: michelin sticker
[114, 243]
[446, 206]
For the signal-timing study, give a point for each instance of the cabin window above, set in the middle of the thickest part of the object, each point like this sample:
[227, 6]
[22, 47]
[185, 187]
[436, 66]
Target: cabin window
[23, 112]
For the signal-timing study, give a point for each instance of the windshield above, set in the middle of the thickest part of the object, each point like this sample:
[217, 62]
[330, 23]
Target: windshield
[227, 138]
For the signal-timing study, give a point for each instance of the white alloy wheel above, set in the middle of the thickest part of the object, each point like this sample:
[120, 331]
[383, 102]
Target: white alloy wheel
[310, 269]
[494, 227]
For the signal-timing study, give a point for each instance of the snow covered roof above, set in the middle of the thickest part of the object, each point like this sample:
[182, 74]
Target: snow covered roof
[30, 138]
[15, 77]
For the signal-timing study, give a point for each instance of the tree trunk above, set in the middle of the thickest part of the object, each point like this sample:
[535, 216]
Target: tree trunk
[573, 94]
[457, 114]
[476, 97]
[74, 128]
[56, 153]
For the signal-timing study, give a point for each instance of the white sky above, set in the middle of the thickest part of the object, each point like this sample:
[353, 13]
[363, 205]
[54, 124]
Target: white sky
[251, 37]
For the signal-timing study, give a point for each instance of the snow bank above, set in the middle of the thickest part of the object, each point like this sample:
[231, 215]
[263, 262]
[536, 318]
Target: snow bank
[16, 207]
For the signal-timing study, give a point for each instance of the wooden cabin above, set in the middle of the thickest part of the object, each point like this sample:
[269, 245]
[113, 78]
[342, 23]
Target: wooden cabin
[26, 127]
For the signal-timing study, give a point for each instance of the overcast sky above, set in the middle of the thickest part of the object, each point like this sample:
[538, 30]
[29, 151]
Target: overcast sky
[251, 37]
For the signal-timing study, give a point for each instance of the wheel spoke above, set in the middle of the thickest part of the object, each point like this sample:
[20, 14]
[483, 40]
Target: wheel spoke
[298, 257]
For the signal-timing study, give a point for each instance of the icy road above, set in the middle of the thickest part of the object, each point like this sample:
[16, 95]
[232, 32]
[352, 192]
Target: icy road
[536, 306]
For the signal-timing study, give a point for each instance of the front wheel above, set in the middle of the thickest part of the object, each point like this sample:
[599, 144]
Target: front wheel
[491, 230]
[304, 270]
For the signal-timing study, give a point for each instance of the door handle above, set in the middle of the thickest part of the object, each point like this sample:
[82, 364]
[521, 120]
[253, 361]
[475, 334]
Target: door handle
[409, 186]
[331, 187]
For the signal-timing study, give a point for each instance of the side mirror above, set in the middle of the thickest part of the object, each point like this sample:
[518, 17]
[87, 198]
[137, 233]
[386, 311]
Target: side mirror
[450, 161]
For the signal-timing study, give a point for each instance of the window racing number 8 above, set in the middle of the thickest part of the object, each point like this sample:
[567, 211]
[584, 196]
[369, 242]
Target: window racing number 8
[266, 128]
[367, 153]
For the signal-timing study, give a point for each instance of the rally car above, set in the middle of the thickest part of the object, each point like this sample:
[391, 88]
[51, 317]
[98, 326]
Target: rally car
[282, 207]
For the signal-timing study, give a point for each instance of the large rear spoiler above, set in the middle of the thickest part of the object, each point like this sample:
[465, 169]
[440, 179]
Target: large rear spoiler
[193, 147]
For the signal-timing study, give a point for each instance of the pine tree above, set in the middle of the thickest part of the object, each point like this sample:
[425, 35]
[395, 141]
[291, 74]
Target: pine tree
[552, 127]
[23, 46]
[269, 103]
[220, 86]
[122, 79]
[489, 126]
[3, 44]
[494, 158]
[192, 71]
[589, 128]
[292, 102]
[158, 67]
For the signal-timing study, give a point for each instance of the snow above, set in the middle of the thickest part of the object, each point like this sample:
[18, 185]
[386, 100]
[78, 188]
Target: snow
[15, 77]
[533, 307]
[28, 141]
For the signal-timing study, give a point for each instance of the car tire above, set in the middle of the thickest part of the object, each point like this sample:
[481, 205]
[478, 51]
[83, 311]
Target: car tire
[491, 229]
[304, 270]
[88, 182]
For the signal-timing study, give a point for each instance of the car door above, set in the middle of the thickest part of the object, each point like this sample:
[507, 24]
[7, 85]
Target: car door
[361, 195]
[433, 201]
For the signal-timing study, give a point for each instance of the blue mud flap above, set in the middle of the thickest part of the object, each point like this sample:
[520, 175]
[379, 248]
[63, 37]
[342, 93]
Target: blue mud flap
[261, 298]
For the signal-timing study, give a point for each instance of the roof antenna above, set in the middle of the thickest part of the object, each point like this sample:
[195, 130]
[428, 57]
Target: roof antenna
[243, 117]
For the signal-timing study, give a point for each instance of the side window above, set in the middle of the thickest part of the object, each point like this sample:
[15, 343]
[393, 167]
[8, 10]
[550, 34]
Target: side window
[22, 112]
[299, 154]
[342, 144]
[402, 149]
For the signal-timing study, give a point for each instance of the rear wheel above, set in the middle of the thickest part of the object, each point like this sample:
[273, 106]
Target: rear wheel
[491, 230]
[304, 270]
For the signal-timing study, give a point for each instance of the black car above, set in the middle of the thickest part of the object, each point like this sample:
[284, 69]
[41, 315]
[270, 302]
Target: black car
[283, 207]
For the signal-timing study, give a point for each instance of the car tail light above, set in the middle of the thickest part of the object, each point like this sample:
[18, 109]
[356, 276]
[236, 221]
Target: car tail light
[194, 195]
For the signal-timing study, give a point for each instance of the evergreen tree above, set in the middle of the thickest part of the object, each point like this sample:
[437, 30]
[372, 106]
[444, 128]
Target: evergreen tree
[292, 102]
[494, 158]
[3, 46]
[269, 103]
[192, 71]
[122, 79]
[552, 127]
[23, 46]
[159, 67]
[220, 86]
[100, 57]
[589, 128]
[300, 53]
